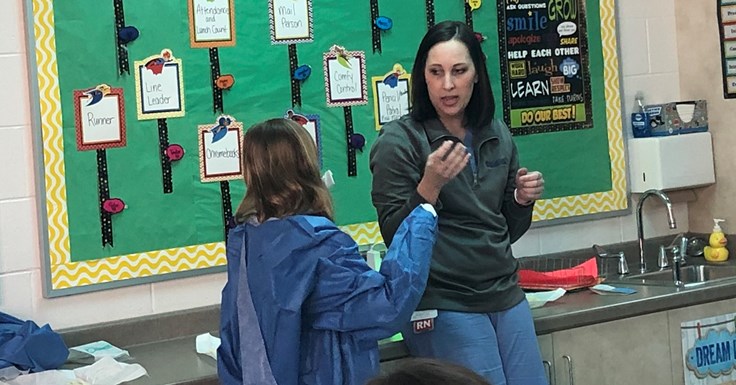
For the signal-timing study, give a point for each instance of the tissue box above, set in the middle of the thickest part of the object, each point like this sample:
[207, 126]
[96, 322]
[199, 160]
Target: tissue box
[665, 119]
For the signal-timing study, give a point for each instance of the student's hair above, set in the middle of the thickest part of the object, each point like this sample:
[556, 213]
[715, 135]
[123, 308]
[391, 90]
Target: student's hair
[281, 173]
[424, 371]
[481, 107]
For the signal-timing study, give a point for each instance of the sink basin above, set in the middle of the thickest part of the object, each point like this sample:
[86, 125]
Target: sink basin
[689, 274]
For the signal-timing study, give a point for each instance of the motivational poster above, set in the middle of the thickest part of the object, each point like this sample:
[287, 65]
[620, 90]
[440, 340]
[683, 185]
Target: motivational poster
[545, 70]
[709, 350]
[211, 23]
[291, 21]
[99, 118]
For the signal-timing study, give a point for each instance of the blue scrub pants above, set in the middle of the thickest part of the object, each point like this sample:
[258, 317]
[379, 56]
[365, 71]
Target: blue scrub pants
[500, 346]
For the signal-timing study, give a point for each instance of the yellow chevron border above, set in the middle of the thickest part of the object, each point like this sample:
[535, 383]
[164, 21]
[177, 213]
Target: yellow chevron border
[615, 199]
[66, 274]
[364, 233]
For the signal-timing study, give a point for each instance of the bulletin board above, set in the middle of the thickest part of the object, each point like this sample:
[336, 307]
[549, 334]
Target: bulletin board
[142, 106]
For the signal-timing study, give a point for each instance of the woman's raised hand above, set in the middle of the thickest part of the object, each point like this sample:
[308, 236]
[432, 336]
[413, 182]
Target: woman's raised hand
[442, 165]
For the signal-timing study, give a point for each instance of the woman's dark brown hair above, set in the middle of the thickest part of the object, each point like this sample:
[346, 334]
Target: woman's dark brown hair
[481, 107]
[423, 371]
[281, 173]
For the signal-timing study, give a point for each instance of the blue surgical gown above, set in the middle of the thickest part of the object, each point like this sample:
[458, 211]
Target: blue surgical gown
[319, 307]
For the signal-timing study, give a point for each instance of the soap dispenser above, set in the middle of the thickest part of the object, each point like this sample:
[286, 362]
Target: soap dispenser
[716, 251]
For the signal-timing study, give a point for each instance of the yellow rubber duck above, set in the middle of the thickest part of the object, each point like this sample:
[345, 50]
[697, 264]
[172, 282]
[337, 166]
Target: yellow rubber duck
[717, 251]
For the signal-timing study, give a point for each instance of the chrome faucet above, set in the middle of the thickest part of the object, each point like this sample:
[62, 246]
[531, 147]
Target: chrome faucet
[678, 260]
[623, 267]
[675, 247]
[639, 226]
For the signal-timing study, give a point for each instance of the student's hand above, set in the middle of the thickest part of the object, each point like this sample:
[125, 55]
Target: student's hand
[529, 186]
[442, 165]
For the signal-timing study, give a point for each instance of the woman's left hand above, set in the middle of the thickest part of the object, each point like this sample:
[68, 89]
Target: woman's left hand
[529, 186]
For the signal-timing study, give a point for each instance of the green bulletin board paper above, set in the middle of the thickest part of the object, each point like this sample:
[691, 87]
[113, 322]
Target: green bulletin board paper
[262, 91]
[153, 220]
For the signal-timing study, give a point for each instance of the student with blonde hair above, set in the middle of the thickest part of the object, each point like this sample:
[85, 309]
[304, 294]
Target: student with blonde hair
[301, 306]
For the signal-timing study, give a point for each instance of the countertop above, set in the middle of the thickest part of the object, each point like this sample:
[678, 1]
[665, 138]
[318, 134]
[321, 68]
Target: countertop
[175, 361]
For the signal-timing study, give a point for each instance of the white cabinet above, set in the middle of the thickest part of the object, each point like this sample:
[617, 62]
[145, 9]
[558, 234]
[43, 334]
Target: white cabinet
[628, 351]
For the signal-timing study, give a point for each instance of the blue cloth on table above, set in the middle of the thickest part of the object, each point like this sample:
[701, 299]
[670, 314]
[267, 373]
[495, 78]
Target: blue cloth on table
[28, 347]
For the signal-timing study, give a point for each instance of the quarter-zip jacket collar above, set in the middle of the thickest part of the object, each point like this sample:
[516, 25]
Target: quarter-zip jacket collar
[436, 131]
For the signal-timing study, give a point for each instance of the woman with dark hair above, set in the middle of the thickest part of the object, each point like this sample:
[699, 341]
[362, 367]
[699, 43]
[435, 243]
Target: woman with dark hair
[301, 306]
[472, 311]
[423, 371]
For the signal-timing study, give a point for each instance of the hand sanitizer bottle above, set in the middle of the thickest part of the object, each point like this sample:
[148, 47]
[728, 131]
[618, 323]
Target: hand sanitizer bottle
[716, 251]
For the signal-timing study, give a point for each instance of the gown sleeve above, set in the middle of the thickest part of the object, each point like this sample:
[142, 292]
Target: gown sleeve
[351, 297]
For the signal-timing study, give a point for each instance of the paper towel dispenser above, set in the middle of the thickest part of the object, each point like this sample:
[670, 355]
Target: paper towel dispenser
[671, 162]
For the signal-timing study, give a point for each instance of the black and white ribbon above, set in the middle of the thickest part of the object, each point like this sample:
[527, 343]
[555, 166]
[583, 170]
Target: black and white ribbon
[352, 164]
[163, 144]
[103, 189]
[227, 209]
[296, 87]
[215, 71]
[429, 5]
[376, 32]
[122, 51]
[468, 15]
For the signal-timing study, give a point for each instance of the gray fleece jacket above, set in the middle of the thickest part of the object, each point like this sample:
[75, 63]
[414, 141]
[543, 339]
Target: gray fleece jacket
[472, 269]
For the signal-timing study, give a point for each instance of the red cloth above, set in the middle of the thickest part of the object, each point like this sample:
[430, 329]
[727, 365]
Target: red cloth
[582, 275]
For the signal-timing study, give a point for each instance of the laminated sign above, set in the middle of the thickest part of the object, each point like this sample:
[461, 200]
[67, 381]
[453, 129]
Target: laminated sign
[709, 350]
[544, 65]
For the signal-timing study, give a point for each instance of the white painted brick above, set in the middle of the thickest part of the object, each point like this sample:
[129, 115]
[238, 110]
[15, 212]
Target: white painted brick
[188, 293]
[19, 247]
[12, 23]
[15, 157]
[91, 308]
[662, 34]
[14, 99]
[528, 244]
[634, 57]
[16, 295]
[580, 235]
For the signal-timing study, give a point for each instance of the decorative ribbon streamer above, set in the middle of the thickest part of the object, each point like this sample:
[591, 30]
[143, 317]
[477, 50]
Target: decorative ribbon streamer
[123, 64]
[215, 70]
[296, 88]
[227, 209]
[352, 166]
[468, 15]
[374, 28]
[103, 190]
[163, 144]
[430, 13]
